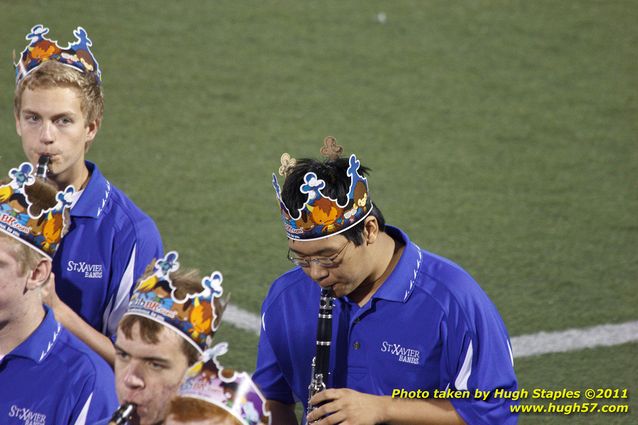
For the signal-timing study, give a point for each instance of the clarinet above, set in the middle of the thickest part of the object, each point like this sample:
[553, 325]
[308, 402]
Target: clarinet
[43, 166]
[321, 361]
[122, 414]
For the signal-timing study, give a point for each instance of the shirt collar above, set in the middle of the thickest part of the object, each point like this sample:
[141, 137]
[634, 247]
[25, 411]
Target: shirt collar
[94, 196]
[400, 284]
[40, 343]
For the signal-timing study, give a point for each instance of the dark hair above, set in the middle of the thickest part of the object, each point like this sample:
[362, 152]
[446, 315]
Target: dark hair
[334, 173]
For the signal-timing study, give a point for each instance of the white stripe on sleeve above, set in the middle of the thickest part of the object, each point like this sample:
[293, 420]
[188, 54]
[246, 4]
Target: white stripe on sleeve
[466, 370]
[81, 420]
[117, 306]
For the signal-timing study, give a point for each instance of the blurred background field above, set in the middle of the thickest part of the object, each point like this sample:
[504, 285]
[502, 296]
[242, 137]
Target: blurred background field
[501, 134]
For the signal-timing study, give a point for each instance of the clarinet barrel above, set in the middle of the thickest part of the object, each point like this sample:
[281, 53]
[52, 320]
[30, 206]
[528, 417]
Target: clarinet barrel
[324, 333]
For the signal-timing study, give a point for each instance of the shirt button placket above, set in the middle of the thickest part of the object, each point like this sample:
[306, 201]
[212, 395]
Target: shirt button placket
[356, 345]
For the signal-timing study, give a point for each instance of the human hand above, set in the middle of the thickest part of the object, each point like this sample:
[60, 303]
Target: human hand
[346, 407]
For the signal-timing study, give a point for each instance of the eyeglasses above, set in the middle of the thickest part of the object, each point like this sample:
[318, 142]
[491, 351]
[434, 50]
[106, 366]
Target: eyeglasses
[326, 262]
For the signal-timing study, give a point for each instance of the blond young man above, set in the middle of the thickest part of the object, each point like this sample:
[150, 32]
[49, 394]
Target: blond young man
[58, 107]
[47, 375]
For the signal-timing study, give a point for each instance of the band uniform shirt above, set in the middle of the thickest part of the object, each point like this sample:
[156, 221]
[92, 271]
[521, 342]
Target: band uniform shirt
[428, 327]
[52, 378]
[109, 244]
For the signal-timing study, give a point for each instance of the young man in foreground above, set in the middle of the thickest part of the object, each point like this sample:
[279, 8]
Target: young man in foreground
[170, 322]
[47, 375]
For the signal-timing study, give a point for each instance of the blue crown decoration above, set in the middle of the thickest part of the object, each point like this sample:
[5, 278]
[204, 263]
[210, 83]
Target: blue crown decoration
[41, 49]
[192, 316]
[321, 216]
[41, 231]
[234, 392]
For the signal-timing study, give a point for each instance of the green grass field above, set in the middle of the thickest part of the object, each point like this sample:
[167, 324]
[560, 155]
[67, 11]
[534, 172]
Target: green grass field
[501, 134]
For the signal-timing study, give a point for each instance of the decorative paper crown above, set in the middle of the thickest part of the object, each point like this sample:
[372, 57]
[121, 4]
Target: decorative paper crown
[321, 216]
[193, 317]
[41, 49]
[234, 392]
[41, 231]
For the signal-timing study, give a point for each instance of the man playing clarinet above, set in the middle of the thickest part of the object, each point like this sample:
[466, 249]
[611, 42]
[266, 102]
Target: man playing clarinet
[58, 109]
[402, 318]
[170, 322]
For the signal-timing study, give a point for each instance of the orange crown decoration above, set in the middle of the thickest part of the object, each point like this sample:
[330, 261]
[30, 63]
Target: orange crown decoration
[77, 55]
[321, 216]
[41, 231]
[193, 317]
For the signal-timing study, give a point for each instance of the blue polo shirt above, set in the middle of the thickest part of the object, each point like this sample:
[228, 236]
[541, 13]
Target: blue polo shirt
[52, 378]
[109, 245]
[428, 327]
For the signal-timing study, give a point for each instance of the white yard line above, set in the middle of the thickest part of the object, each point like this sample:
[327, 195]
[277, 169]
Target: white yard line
[241, 319]
[522, 346]
[574, 339]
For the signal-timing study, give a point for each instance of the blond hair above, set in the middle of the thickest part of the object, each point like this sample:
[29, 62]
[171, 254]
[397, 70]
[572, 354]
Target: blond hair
[27, 258]
[42, 196]
[53, 74]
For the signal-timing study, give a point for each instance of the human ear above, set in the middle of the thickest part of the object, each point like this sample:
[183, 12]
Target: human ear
[39, 275]
[92, 129]
[370, 229]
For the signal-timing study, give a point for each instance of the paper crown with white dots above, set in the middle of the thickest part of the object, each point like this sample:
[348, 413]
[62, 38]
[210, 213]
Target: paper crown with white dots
[194, 316]
[41, 49]
[234, 392]
[321, 216]
[40, 229]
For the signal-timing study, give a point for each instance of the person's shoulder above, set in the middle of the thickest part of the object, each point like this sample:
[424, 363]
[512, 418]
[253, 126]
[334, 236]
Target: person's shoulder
[439, 276]
[78, 360]
[122, 212]
[124, 205]
[443, 270]
[447, 282]
[290, 285]
[432, 272]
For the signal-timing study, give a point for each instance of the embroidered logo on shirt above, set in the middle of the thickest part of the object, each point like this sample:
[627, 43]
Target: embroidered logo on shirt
[27, 416]
[403, 354]
[90, 271]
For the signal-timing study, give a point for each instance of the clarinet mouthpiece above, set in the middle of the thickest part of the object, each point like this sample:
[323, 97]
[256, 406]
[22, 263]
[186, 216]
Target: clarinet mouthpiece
[43, 166]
